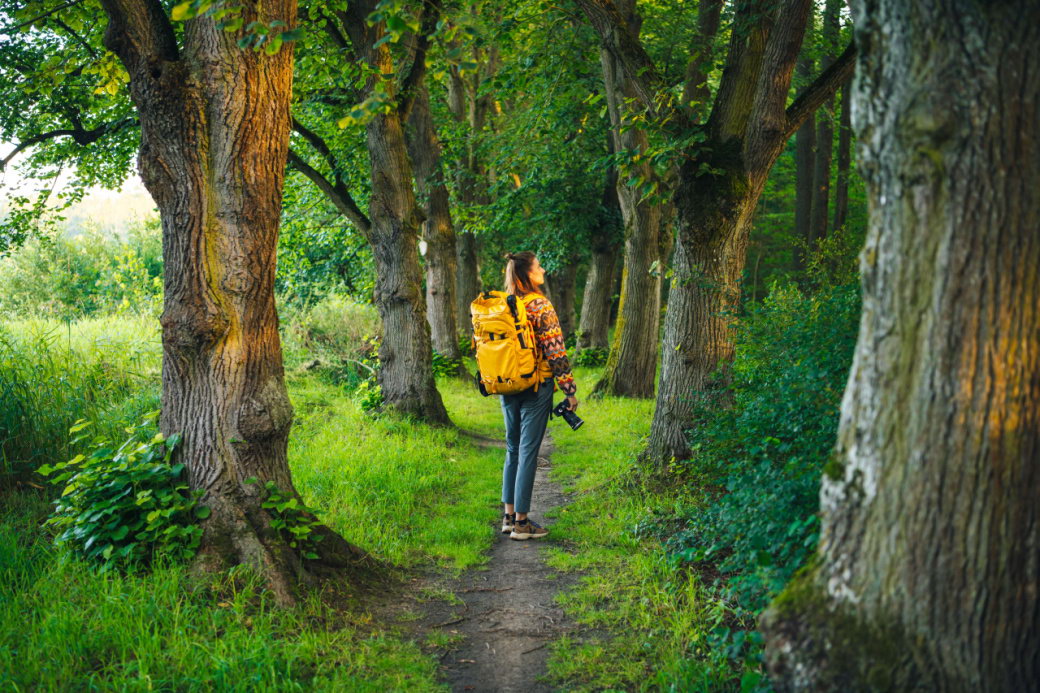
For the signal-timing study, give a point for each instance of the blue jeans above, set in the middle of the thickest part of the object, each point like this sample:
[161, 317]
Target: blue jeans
[526, 415]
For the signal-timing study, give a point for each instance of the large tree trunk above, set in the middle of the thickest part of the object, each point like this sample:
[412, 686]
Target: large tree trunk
[594, 325]
[718, 184]
[841, 182]
[707, 266]
[438, 230]
[632, 365]
[214, 135]
[405, 354]
[927, 571]
[825, 130]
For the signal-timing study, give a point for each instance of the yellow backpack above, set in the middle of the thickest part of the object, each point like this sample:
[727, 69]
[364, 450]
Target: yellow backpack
[507, 356]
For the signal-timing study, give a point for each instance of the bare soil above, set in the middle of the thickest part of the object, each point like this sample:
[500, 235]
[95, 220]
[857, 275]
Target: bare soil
[504, 616]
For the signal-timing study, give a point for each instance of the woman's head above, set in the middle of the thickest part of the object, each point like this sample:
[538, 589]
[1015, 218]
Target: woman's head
[523, 273]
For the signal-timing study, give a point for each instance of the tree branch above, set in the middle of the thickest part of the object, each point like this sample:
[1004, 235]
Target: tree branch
[48, 13]
[336, 192]
[139, 32]
[410, 83]
[764, 140]
[695, 90]
[823, 88]
[618, 38]
[79, 134]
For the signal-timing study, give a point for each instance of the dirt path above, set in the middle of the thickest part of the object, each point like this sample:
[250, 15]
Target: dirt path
[507, 615]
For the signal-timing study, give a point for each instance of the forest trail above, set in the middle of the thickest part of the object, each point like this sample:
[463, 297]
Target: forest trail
[507, 613]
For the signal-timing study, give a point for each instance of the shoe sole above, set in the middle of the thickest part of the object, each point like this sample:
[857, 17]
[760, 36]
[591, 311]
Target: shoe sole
[507, 531]
[525, 537]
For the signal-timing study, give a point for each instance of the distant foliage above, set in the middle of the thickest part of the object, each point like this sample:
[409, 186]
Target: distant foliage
[85, 275]
[761, 460]
[121, 506]
[52, 374]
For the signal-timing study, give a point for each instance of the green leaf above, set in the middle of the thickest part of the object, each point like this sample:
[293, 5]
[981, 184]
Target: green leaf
[79, 425]
[120, 533]
[202, 512]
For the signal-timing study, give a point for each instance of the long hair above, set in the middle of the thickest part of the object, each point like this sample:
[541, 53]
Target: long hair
[518, 273]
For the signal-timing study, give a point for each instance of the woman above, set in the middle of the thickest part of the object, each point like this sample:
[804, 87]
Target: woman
[526, 413]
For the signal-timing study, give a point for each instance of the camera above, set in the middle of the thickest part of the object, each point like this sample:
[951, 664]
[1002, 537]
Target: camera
[570, 417]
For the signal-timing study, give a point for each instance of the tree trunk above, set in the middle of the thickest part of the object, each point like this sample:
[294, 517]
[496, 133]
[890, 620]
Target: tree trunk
[467, 284]
[594, 327]
[597, 301]
[632, 364]
[707, 266]
[562, 285]
[205, 113]
[804, 162]
[825, 130]
[841, 182]
[438, 230]
[927, 571]
[405, 354]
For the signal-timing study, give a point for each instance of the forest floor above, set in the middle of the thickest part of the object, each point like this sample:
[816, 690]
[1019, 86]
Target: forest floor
[498, 621]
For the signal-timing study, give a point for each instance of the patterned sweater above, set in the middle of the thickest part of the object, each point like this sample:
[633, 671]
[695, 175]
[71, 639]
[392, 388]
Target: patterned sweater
[550, 340]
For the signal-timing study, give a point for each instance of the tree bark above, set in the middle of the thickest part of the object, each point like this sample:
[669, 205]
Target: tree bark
[214, 136]
[927, 572]
[438, 230]
[804, 161]
[471, 108]
[594, 326]
[631, 368]
[825, 130]
[841, 182]
[405, 353]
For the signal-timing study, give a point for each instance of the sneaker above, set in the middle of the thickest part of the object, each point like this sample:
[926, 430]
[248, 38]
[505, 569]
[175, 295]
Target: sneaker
[527, 529]
[507, 522]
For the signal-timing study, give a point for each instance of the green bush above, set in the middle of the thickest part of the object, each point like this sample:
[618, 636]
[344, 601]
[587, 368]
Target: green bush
[293, 520]
[760, 461]
[444, 366]
[121, 506]
[591, 356]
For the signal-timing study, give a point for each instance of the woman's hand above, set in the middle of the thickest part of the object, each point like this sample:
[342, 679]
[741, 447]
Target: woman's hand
[572, 402]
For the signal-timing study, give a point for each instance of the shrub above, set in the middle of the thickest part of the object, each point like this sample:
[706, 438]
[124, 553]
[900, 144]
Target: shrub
[760, 460]
[591, 356]
[444, 366]
[122, 506]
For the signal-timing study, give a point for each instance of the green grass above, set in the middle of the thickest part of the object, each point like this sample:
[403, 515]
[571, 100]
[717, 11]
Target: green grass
[402, 491]
[652, 622]
[412, 495]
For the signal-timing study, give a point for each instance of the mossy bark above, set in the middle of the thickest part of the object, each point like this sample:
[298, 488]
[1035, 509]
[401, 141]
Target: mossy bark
[214, 139]
[929, 514]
